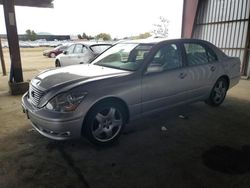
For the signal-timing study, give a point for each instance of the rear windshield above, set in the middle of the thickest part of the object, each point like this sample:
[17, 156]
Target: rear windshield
[97, 49]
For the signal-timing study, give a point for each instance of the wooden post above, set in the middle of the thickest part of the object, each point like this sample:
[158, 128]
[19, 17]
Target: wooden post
[2, 59]
[10, 22]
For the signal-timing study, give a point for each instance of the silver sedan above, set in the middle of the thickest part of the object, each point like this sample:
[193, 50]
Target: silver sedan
[128, 81]
[80, 53]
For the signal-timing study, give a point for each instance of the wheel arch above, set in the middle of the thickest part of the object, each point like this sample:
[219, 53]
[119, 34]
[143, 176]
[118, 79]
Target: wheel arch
[109, 100]
[226, 77]
[57, 61]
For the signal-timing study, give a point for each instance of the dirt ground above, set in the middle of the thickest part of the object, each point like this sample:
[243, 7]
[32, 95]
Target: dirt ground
[208, 148]
[33, 62]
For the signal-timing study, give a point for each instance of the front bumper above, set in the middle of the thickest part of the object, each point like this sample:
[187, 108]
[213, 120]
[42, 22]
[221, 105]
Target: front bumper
[45, 53]
[54, 125]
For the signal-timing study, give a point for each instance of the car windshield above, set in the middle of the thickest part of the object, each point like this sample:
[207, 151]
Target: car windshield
[61, 47]
[127, 56]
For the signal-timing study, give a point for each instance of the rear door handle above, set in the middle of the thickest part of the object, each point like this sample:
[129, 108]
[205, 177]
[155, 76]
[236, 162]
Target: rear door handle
[182, 75]
[212, 68]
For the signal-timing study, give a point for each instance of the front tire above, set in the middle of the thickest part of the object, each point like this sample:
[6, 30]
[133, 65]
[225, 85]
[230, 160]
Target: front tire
[57, 63]
[104, 123]
[218, 92]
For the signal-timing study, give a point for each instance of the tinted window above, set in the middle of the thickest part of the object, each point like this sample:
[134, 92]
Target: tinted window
[211, 55]
[197, 54]
[167, 57]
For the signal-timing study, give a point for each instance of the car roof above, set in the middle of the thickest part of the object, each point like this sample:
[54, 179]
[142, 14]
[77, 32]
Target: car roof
[91, 43]
[159, 40]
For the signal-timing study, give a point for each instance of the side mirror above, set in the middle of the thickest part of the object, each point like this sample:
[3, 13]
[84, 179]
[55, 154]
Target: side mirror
[65, 52]
[154, 69]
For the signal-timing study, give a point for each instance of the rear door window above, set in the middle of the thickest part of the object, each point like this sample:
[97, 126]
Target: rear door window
[197, 54]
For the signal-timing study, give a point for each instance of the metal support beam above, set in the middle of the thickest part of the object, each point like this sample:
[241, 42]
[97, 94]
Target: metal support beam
[2, 59]
[16, 74]
[188, 17]
[245, 63]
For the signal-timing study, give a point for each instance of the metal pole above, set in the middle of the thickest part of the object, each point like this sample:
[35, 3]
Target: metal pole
[16, 73]
[2, 59]
[246, 50]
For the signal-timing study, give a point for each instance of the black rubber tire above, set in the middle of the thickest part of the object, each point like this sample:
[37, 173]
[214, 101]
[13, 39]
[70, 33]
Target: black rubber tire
[211, 100]
[57, 63]
[88, 123]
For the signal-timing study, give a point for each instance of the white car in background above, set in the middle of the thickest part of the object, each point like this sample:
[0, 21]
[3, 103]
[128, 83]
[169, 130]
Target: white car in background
[80, 53]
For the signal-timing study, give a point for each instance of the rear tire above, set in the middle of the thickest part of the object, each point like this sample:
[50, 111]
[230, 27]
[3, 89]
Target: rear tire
[218, 92]
[104, 123]
[52, 55]
[57, 63]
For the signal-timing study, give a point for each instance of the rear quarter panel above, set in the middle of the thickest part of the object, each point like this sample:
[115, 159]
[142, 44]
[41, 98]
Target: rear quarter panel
[231, 66]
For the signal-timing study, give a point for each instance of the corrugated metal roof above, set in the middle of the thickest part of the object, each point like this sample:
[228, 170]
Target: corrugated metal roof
[33, 3]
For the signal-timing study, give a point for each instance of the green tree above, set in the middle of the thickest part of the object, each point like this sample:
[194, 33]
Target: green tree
[31, 35]
[79, 36]
[103, 36]
[142, 36]
[90, 37]
[84, 36]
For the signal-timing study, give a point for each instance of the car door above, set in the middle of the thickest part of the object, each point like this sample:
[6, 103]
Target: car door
[77, 55]
[202, 68]
[85, 56]
[165, 82]
[67, 57]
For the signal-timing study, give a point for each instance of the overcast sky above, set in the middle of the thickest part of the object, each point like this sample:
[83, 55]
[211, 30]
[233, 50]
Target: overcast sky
[118, 17]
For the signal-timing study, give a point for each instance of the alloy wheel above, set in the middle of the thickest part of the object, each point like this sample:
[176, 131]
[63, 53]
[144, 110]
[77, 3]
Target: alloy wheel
[219, 92]
[107, 124]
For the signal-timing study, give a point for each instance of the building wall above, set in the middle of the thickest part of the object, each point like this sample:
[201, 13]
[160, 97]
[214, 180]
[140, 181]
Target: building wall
[225, 23]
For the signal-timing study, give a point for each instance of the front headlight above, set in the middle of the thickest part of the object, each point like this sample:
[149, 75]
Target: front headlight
[66, 102]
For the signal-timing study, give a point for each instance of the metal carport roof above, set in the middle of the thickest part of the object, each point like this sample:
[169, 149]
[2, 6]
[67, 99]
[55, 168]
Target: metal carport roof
[33, 3]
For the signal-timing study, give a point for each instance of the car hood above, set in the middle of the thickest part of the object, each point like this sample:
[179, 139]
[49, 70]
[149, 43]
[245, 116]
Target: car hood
[75, 73]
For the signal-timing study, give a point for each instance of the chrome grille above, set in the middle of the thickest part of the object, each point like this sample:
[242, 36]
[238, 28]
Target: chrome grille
[35, 95]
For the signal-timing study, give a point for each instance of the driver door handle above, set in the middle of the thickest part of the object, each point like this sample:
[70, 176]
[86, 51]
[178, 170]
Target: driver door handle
[212, 68]
[182, 75]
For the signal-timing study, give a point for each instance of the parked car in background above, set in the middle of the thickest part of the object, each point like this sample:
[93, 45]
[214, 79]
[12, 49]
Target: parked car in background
[52, 53]
[80, 53]
[128, 81]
